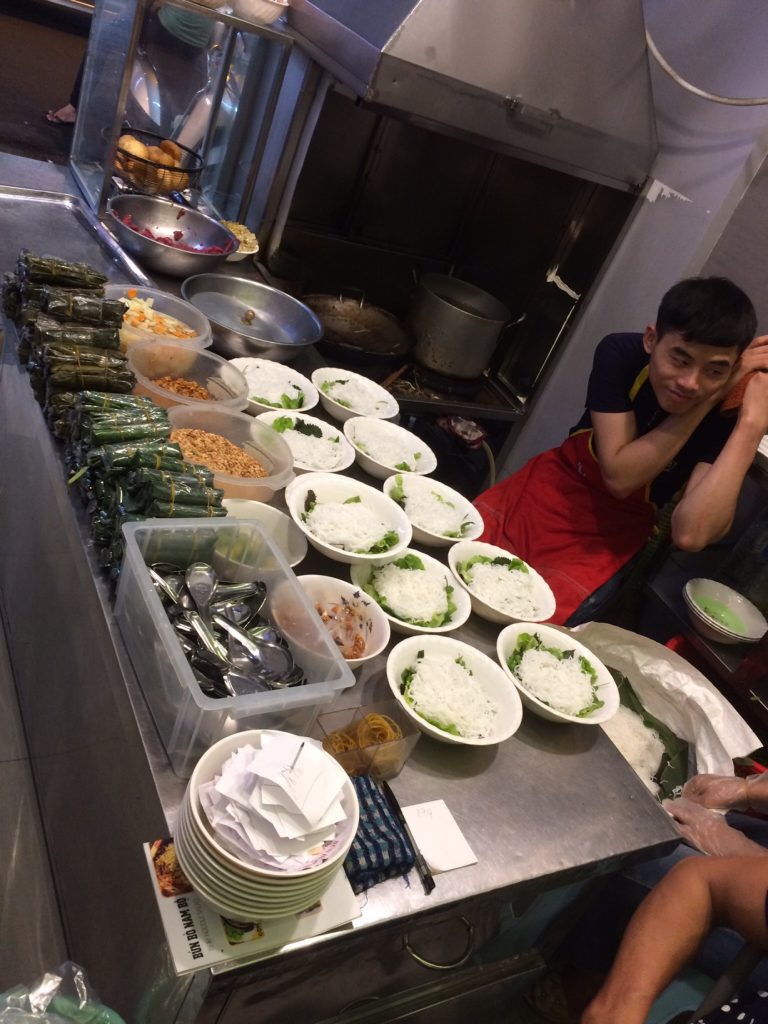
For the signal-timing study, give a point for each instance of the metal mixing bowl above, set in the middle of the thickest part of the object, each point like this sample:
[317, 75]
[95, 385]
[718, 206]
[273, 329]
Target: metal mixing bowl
[251, 319]
[163, 217]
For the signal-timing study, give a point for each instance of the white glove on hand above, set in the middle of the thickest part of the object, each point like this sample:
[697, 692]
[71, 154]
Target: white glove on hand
[709, 832]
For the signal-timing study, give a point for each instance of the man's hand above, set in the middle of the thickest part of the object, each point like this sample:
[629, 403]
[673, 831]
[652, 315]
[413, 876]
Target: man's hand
[709, 832]
[717, 792]
[754, 405]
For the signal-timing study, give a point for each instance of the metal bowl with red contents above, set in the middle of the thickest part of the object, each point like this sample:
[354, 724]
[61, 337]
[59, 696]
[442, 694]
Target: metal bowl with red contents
[167, 237]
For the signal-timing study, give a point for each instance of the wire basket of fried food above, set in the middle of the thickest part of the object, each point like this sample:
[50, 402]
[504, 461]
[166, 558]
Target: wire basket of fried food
[375, 739]
[154, 165]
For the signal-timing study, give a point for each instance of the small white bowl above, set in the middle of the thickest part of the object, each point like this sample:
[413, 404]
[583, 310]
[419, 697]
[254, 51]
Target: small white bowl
[542, 592]
[414, 456]
[335, 487]
[415, 485]
[484, 670]
[607, 691]
[342, 448]
[281, 529]
[326, 590]
[700, 592]
[254, 369]
[382, 405]
[361, 574]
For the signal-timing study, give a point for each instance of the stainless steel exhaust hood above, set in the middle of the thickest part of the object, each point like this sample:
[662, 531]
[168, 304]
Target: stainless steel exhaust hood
[563, 83]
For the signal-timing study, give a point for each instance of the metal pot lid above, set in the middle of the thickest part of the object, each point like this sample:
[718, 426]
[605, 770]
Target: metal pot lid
[253, 310]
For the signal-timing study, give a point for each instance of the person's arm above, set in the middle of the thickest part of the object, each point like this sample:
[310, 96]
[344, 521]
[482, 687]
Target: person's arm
[697, 895]
[705, 512]
[709, 831]
[628, 462]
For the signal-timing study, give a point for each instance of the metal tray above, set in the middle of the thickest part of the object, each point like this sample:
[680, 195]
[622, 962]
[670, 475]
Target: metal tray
[61, 225]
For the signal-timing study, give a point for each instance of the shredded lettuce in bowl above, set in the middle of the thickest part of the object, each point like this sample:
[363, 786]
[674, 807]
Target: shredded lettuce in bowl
[548, 692]
[465, 568]
[409, 563]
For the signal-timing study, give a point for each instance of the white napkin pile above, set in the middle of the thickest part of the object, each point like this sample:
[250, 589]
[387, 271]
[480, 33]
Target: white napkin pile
[278, 807]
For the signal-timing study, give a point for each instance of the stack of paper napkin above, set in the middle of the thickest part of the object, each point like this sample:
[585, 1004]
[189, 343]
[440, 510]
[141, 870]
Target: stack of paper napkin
[278, 807]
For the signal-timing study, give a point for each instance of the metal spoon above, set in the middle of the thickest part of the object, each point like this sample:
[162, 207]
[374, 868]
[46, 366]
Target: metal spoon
[234, 610]
[206, 637]
[201, 582]
[272, 661]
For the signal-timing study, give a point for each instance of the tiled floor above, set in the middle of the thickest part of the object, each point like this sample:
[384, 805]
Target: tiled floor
[31, 936]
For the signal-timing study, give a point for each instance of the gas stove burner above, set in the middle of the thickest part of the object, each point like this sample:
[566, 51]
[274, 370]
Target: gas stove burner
[446, 385]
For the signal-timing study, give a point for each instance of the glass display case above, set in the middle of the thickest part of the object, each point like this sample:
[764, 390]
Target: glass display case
[223, 88]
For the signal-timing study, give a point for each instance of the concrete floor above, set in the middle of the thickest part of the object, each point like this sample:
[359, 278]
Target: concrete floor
[40, 49]
[41, 46]
[31, 935]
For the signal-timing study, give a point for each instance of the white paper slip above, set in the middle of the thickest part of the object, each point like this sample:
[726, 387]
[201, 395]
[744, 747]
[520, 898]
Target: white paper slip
[437, 835]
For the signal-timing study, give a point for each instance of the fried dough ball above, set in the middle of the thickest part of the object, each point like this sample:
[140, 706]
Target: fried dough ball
[130, 144]
[173, 150]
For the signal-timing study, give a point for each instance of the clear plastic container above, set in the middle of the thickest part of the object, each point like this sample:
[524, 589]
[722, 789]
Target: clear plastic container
[381, 760]
[183, 311]
[187, 720]
[255, 438]
[150, 360]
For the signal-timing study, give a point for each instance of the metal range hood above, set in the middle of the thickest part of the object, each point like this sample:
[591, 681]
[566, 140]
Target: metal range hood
[564, 83]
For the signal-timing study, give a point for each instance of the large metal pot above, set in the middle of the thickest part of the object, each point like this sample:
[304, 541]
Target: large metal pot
[356, 332]
[456, 325]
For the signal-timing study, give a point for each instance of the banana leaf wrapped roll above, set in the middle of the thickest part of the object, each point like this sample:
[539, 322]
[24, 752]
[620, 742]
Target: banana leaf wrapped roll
[62, 353]
[79, 307]
[173, 510]
[52, 270]
[77, 378]
[32, 291]
[48, 330]
[98, 402]
[113, 431]
[82, 430]
[153, 484]
[117, 458]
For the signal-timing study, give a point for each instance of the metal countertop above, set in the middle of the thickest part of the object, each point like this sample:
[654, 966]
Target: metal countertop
[552, 803]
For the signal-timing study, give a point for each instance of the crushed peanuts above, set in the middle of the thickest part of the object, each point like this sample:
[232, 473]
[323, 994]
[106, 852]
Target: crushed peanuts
[184, 387]
[216, 453]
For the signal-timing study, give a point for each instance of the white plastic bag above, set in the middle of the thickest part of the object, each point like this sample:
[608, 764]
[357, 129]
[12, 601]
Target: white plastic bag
[676, 693]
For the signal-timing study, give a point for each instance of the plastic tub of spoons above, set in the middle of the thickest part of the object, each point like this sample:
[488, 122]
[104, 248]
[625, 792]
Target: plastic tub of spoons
[188, 719]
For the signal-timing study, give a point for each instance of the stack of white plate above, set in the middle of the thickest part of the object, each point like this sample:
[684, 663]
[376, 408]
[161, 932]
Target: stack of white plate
[234, 888]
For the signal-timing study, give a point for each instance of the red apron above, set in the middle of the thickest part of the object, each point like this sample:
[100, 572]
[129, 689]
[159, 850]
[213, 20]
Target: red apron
[557, 514]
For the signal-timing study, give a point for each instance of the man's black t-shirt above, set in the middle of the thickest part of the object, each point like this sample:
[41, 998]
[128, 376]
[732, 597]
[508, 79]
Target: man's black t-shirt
[619, 383]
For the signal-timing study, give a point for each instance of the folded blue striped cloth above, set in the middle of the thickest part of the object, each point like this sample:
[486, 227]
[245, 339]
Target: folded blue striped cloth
[380, 849]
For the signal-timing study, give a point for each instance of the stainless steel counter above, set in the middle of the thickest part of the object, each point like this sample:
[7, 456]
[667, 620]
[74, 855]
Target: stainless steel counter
[552, 804]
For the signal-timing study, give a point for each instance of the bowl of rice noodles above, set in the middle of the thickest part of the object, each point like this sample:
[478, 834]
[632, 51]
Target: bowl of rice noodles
[557, 677]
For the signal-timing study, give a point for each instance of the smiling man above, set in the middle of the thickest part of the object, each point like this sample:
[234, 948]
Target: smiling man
[652, 427]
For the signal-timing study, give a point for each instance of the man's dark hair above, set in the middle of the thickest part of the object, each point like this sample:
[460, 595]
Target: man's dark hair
[709, 310]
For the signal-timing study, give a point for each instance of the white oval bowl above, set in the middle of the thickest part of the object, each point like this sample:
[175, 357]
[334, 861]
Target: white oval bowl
[325, 589]
[410, 443]
[754, 621]
[346, 451]
[496, 685]
[360, 575]
[281, 528]
[251, 366]
[333, 487]
[542, 592]
[417, 484]
[389, 408]
[607, 690]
